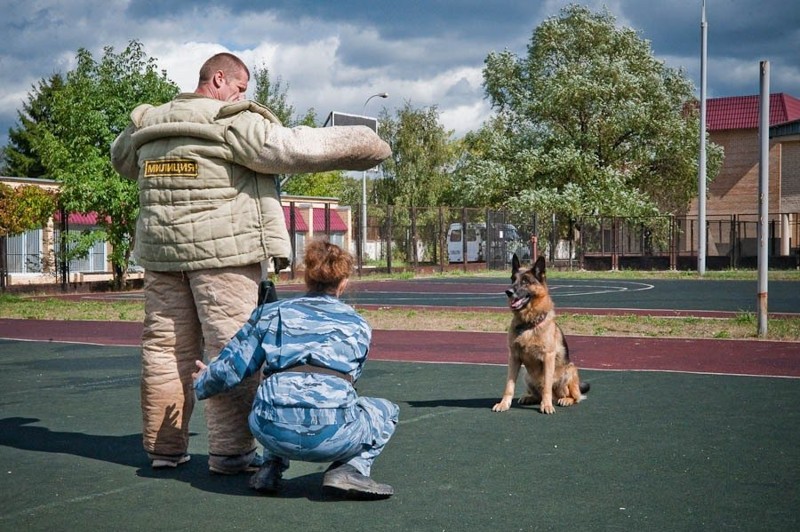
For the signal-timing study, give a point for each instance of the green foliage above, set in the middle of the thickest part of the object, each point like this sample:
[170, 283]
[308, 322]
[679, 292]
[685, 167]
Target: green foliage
[416, 175]
[24, 208]
[84, 116]
[322, 184]
[351, 189]
[588, 123]
[78, 244]
[19, 158]
[273, 94]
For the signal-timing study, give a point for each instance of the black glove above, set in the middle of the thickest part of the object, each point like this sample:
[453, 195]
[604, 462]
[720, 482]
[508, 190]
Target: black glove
[267, 292]
[280, 263]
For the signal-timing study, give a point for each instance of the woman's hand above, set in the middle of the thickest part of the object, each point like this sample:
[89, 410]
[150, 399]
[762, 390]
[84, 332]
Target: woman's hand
[200, 369]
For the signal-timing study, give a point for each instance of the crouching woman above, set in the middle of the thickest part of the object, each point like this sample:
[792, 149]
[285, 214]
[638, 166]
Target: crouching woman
[312, 350]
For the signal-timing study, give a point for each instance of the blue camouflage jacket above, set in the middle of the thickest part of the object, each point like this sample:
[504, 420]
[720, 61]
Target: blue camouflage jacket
[314, 329]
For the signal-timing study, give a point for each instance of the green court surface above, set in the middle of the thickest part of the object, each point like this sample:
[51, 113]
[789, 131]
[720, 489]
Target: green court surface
[645, 451]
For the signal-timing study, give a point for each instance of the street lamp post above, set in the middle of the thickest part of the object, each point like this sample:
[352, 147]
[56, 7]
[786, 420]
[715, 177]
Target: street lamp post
[364, 185]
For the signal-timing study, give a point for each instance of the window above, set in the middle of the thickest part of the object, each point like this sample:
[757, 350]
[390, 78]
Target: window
[337, 239]
[299, 246]
[95, 261]
[24, 252]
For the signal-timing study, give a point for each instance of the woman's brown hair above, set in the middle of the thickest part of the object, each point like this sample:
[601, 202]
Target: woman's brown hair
[326, 265]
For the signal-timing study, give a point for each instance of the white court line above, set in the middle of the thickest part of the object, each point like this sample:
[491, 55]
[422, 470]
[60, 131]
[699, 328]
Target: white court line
[581, 290]
[68, 502]
[600, 289]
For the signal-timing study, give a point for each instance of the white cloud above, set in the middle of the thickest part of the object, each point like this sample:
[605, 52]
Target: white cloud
[429, 56]
[465, 118]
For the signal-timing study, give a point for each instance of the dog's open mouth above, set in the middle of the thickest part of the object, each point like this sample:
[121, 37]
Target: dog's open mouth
[517, 303]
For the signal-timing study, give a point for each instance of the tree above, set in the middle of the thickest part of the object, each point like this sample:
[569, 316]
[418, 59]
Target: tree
[588, 123]
[21, 209]
[416, 175]
[19, 158]
[24, 208]
[85, 116]
[273, 94]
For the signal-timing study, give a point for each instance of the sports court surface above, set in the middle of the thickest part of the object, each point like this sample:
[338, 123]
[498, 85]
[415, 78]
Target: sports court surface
[674, 435]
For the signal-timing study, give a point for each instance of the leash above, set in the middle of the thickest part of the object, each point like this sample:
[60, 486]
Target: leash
[267, 293]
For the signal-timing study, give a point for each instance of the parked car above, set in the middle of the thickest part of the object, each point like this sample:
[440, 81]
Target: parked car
[507, 241]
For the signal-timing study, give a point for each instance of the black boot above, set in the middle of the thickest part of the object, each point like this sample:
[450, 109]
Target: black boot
[267, 480]
[345, 481]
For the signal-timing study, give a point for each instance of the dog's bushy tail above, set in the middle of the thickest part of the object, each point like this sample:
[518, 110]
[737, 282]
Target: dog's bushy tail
[584, 387]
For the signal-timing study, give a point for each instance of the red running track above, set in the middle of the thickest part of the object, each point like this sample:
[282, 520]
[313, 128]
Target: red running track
[735, 357]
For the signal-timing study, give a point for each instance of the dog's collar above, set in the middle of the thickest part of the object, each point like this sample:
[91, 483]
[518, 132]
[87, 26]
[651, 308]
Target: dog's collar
[528, 325]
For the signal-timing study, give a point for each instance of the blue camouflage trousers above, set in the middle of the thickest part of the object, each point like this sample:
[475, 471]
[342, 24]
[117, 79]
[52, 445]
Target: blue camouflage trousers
[357, 442]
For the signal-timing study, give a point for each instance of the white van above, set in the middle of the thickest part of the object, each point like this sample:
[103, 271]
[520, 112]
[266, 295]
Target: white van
[476, 239]
[477, 245]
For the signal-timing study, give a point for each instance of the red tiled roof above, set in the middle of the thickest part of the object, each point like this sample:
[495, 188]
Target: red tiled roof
[299, 222]
[337, 224]
[301, 225]
[77, 218]
[741, 112]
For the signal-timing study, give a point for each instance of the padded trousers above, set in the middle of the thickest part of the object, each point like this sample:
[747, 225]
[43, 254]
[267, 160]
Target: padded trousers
[190, 316]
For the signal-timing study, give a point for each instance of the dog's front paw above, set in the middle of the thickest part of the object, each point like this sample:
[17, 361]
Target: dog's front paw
[502, 406]
[547, 408]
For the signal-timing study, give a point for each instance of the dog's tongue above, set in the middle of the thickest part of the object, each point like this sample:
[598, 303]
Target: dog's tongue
[517, 304]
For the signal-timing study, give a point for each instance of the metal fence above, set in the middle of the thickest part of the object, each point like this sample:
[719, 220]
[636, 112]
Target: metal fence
[445, 238]
[441, 237]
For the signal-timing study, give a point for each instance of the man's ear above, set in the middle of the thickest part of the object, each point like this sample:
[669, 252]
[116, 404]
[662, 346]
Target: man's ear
[218, 79]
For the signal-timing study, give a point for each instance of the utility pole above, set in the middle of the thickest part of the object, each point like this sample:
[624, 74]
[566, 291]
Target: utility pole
[763, 199]
[364, 186]
[701, 170]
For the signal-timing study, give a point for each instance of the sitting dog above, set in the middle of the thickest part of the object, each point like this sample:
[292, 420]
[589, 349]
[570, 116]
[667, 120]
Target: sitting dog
[536, 342]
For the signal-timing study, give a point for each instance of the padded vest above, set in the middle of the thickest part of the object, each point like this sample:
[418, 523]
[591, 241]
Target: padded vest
[200, 205]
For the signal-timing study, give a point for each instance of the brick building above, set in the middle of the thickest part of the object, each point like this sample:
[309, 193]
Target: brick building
[733, 124]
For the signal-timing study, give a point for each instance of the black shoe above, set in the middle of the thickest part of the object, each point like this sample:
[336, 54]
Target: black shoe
[346, 482]
[268, 479]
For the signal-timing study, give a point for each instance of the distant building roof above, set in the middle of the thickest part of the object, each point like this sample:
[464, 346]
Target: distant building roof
[318, 223]
[741, 112]
[77, 218]
[787, 129]
[336, 224]
[299, 222]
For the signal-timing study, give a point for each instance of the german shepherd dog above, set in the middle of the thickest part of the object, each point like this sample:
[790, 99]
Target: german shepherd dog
[536, 342]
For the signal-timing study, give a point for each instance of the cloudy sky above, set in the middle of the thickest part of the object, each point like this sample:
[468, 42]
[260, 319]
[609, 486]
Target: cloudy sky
[335, 54]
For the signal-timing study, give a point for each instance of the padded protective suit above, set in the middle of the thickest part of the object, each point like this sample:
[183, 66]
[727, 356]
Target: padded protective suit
[210, 214]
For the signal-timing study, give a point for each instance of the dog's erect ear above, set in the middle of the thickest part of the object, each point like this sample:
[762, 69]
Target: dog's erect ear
[514, 266]
[539, 269]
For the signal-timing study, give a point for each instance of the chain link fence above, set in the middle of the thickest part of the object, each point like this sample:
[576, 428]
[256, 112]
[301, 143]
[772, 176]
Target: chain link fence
[447, 238]
[442, 238]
